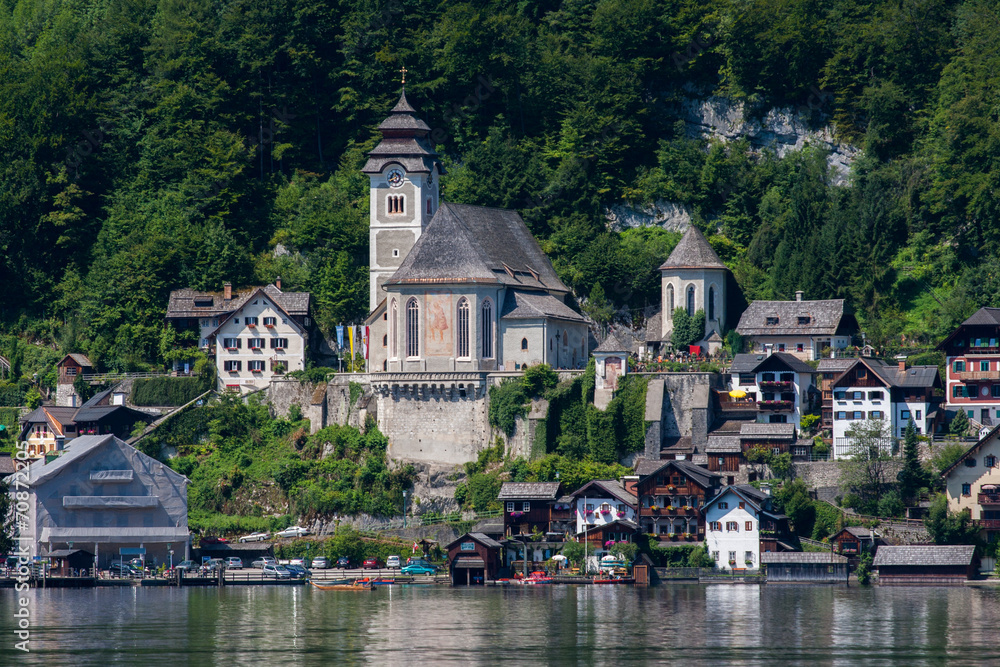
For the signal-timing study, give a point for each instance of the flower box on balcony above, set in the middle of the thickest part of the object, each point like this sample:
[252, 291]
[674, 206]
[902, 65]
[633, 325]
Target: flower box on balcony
[516, 515]
[732, 562]
[252, 326]
[269, 326]
[673, 537]
[775, 405]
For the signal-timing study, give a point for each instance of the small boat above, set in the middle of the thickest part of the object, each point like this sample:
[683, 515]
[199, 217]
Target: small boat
[535, 579]
[377, 582]
[356, 586]
[614, 580]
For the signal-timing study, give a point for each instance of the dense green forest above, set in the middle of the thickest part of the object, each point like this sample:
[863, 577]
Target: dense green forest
[157, 144]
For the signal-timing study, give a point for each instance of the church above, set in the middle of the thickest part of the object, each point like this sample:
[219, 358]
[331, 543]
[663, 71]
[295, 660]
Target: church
[454, 287]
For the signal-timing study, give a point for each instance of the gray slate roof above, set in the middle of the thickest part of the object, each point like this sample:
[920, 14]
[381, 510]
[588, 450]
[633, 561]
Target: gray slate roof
[181, 302]
[80, 359]
[753, 363]
[746, 363]
[824, 318]
[7, 466]
[703, 476]
[404, 142]
[610, 487]
[723, 444]
[693, 252]
[654, 327]
[482, 538]
[477, 244]
[614, 342]
[769, 557]
[834, 365]
[984, 316]
[519, 305]
[941, 555]
[769, 430]
[913, 376]
[529, 491]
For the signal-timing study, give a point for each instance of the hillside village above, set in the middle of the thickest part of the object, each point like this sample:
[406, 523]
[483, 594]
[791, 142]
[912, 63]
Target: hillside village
[721, 416]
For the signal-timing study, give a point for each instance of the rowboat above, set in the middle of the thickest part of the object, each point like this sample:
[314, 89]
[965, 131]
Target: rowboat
[356, 586]
[620, 580]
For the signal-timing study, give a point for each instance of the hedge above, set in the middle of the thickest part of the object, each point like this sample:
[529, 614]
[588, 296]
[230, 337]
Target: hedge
[167, 391]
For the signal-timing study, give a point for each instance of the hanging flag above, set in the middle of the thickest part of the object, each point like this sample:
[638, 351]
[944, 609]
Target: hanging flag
[366, 342]
[350, 338]
[414, 547]
[340, 337]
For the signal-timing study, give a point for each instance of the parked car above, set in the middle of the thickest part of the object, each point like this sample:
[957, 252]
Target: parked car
[370, 564]
[186, 566]
[304, 562]
[392, 562]
[276, 571]
[419, 567]
[255, 537]
[234, 563]
[320, 563]
[213, 565]
[292, 531]
[211, 539]
[343, 563]
[298, 571]
[262, 561]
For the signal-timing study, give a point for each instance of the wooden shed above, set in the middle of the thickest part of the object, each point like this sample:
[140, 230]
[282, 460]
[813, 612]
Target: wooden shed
[473, 559]
[854, 540]
[930, 564]
[798, 566]
[70, 562]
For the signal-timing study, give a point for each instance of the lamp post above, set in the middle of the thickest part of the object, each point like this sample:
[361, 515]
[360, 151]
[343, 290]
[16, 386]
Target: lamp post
[404, 508]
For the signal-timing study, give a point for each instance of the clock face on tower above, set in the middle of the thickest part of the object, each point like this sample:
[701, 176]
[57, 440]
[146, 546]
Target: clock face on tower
[395, 178]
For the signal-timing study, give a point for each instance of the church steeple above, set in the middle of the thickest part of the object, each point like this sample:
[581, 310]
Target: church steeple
[403, 171]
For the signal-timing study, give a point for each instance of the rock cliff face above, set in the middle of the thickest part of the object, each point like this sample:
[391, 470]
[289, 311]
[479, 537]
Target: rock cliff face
[782, 130]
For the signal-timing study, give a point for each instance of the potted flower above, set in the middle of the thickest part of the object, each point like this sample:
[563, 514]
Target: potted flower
[653, 507]
[670, 508]
[621, 515]
[749, 563]
[732, 562]
[673, 537]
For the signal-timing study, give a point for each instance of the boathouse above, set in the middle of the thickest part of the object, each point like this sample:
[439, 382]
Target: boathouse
[473, 559]
[932, 564]
[798, 566]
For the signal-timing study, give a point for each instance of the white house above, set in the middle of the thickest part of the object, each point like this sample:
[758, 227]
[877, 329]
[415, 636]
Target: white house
[802, 328]
[894, 393]
[777, 384]
[740, 525]
[260, 339]
[602, 502]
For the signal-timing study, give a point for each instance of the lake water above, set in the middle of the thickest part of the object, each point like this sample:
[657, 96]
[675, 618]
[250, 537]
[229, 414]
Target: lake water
[559, 625]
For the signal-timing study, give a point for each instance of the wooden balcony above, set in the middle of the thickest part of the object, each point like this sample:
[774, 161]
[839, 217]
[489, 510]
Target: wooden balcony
[775, 406]
[774, 385]
[663, 511]
[991, 524]
[989, 499]
[974, 376]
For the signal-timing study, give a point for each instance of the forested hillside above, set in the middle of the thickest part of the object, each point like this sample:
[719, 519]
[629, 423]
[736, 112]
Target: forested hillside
[156, 144]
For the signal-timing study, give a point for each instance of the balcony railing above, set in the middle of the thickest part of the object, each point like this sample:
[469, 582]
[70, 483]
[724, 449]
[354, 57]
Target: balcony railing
[992, 524]
[663, 511]
[972, 376]
[989, 498]
[772, 385]
[775, 405]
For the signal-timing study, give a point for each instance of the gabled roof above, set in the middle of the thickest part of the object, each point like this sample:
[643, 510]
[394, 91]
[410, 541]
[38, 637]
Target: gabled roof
[77, 450]
[182, 302]
[693, 252]
[918, 555]
[984, 317]
[768, 430]
[825, 318]
[609, 487]
[703, 476]
[752, 495]
[746, 363]
[519, 305]
[529, 491]
[827, 365]
[482, 538]
[81, 359]
[614, 342]
[776, 361]
[277, 297]
[892, 376]
[858, 531]
[479, 245]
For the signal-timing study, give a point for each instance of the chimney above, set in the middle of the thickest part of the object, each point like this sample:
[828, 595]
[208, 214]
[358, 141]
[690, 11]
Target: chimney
[798, 295]
[227, 291]
[902, 365]
[277, 283]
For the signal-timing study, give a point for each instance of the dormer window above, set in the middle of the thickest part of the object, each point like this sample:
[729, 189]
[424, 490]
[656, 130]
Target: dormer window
[202, 303]
[772, 321]
[804, 319]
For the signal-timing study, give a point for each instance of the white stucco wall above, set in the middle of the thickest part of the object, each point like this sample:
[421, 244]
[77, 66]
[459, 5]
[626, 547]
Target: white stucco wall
[739, 541]
[293, 356]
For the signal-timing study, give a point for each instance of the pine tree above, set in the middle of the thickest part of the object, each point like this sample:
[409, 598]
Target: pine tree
[959, 424]
[912, 477]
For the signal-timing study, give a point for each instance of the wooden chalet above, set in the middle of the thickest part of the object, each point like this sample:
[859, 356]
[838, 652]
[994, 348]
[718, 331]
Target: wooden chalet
[672, 496]
[798, 566]
[530, 507]
[855, 540]
[932, 564]
[73, 365]
[473, 559]
[600, 536]
[70, 562]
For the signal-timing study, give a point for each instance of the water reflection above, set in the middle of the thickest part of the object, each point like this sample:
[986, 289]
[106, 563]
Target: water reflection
[559, 625]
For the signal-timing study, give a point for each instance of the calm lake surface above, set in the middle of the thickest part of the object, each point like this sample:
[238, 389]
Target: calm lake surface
[559, 625]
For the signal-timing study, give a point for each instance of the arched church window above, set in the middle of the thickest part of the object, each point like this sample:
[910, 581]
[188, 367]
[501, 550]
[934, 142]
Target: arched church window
[487, 329]
[711, 303]
[429, 206]
[412, 328]
[670, 300]
[393, 319]
[690, 300]
[524, 344]
[463, 327]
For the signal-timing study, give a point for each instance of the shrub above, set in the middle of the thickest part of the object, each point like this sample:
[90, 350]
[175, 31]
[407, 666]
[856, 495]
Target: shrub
[167, 391]
[507, 403]
[538, 379]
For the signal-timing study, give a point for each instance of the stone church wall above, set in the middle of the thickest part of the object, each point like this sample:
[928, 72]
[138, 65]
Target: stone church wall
[430, 425]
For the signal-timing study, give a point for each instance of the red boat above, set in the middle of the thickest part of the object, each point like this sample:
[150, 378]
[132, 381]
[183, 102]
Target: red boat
[535, 578]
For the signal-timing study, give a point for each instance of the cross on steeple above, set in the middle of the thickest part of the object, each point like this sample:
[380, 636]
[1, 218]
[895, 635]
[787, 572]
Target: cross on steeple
[403, 71]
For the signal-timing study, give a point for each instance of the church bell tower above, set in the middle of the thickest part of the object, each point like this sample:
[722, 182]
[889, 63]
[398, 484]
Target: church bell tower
[403, 173]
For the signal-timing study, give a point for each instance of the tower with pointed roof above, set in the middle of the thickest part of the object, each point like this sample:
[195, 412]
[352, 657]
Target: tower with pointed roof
[403, 171]
[694, 278]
